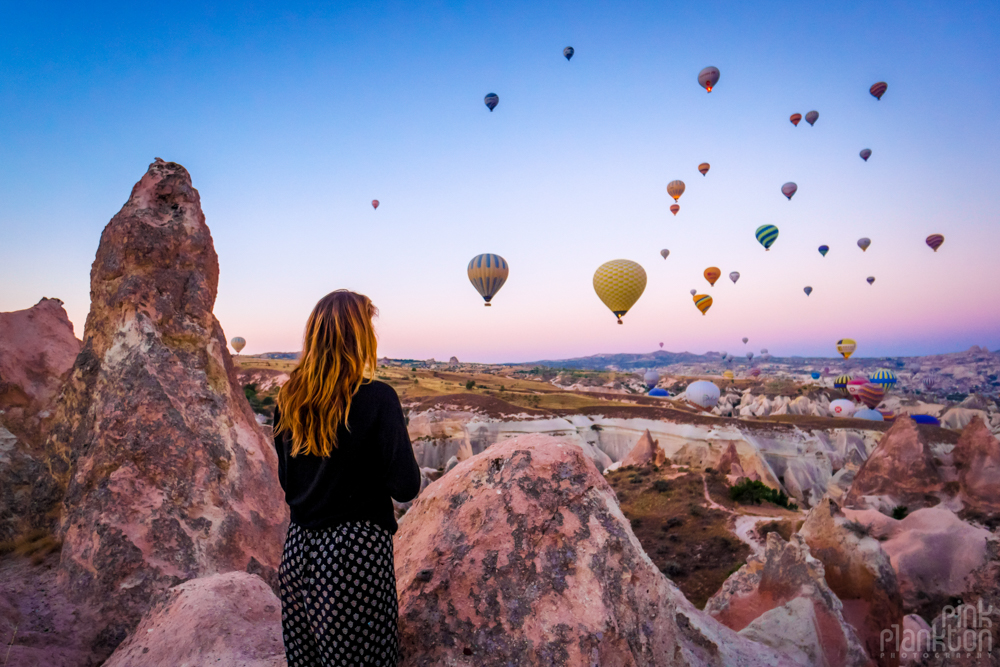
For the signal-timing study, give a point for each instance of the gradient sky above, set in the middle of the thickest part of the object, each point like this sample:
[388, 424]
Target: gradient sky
[292, 118]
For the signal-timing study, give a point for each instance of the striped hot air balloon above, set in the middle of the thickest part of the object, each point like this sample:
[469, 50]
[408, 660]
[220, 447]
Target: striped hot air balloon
[704, 167]
[712, 274]
[823, 249]
[878, 89]
[703, 302]
[674, 208]
[488, 273]
[870, 394]
[795, 118]
[935, 241]
[767, 235]
[841, 383]
[884, 377]
[238, 343]
[619, 284]
[675, 189]
[846, 347]
[491, 100]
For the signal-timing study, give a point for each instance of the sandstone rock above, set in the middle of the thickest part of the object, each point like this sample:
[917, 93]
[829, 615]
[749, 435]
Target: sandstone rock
[464, 452]
[787, 572]
[646, 451]
[229, 620]
[959, 418]
[29, 494]
[916, 627]
[521, 556]
[729, 464]
[859, 573]
[977, 457]
[168, 475]
[901, 467]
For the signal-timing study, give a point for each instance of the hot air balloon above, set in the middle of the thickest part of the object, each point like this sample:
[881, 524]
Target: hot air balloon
[864, 243]
[823, 249]
[661, 346]
[929, 381]
[724, 355]
[238, 344]
[846, 347]
[693, 292]
[491, 100]
[745, 339]
[841, 383]
[488, 273]
[568, 52]
[935, 241]
[734, 276]
[883, 377]
[871, 395]
[788, 189]
[869, 414]
[674, 208]
[766, 235]
[712, 274]
[708, 77]
[763, 350]
[675, 189]
[814, 375]
[842, 407]
[619, 284]
[926, 419]
[651, 378]
[749, 356]
[664, 253]
[865, 154]
[878, 89]
[855, 385]
[826, 370]
[375, 204]
[795, 118]
[704, 167]
[811, 117]
[808, 290]
[656, 391]
[755, 372]
[870, 279]
[702, 393]
[703, 302]
[728, 375]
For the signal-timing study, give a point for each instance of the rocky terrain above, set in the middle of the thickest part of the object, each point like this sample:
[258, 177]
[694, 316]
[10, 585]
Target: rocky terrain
[564, 518]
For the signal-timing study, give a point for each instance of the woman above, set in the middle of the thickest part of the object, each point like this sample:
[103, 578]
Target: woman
[343, 453]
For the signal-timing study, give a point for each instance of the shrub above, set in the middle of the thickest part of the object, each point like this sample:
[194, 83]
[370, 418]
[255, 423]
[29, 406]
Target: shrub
[672, 569]
[858, 528]
[899, 512]
[673, 522]
[661, 486]
[753, 492]
[470, 384]
[696, 510]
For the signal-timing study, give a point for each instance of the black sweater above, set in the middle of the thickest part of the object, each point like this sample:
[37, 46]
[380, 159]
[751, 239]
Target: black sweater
[372, 462]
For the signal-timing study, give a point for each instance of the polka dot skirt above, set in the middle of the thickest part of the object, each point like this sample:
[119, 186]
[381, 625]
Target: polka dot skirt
[338, 596]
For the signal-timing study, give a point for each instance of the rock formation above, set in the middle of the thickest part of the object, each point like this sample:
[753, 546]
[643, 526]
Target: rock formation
[521, 556]
[977, 457]
[168, 477]
[782, 599]
[646, 451]
[729, 464]
[229, 620]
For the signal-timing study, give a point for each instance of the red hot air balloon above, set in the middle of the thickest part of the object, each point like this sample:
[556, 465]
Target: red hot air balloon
[878, 89]
[674, 208]
[795, 118]
[935, 241]
[375, 204]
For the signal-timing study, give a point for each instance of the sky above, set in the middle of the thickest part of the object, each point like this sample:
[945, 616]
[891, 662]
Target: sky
[292, 117]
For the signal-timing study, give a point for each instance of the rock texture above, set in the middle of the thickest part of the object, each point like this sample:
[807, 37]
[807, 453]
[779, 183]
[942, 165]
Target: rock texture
[782, 599]
[646, 451]
[521, 556]
[168, 476]
[229, 620]
[977, 457]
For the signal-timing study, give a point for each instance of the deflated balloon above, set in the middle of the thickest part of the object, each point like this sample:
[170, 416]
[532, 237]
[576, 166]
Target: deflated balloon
[488, 273]
[795, 118]
[664, 253]
[864, 243]
[811, 117]
[870, 279]
[491, 100]
[703, 302]
[708, 77]
[878, 89]
[865, 154]
[619, 284]
[808, 290]
[238, 343]
[704, 167]
[675, 189]
[375, 204]
[846, 347]
[674, 208]
[788, 189]
[712, 274]
[935, 241]
[823, 249]
[734, 276]
[766, 235]
[568, 52]
[870, 415]
[702, 393]
[651, 378]
[842, 407]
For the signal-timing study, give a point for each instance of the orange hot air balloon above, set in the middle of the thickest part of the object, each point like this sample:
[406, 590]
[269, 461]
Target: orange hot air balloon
[704, 167]
[675, 189]
[674, 208]
[795, 118]
[712, 274]
[703, 302]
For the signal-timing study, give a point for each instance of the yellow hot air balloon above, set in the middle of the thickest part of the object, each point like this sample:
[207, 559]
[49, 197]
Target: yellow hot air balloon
[704, 167]
[712, 274]
[675, 189]
[846, 347]
[619, 284]
[703, 302]
[238, 343]
[488, 273]
[728, 375]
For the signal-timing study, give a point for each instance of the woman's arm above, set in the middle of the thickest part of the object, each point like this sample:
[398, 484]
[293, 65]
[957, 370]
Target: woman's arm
[402, 475]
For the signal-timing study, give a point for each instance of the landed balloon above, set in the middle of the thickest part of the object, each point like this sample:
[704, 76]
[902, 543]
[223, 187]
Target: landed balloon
[664, 253]
[651, 378]
[812, 117]
[702, 393]
[795, 118]
[865, 154]
[491, 100]
[884, 377]
[568, 52]
[878, 89]
[488, 273]
[789, 189]
[846, 347]
[854, 387]
[863, 243]
[238, 343]
[734, 276]
[871, 394]
[619, 284]
[675, 189]
[729, 375]
[745, 339]
[703, 302]
[814, 375]
[657, 391]
[934, 241]
[674, 208]
[704, 167]
[870, 279]
[841, 382]
[712, 274]
[870, 415]
[708, 77]
[766, 235]
[926, 419]
[823, 249]
[842, 407]
[375, 204]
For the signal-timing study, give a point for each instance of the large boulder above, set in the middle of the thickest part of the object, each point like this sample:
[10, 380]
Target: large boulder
[228, 620]
[646, 451]
[521, 556]
[977, 457]
[859, 573]
[168, 476]
[781, 598]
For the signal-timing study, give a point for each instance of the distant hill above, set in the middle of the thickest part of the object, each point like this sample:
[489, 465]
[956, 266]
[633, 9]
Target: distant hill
[598, 362]
[275, 355]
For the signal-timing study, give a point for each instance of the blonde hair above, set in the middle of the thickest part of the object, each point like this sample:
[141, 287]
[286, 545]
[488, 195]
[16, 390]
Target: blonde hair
[338, 353]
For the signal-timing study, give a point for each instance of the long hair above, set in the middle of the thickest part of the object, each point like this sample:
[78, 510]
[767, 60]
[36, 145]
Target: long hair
[338, 353]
